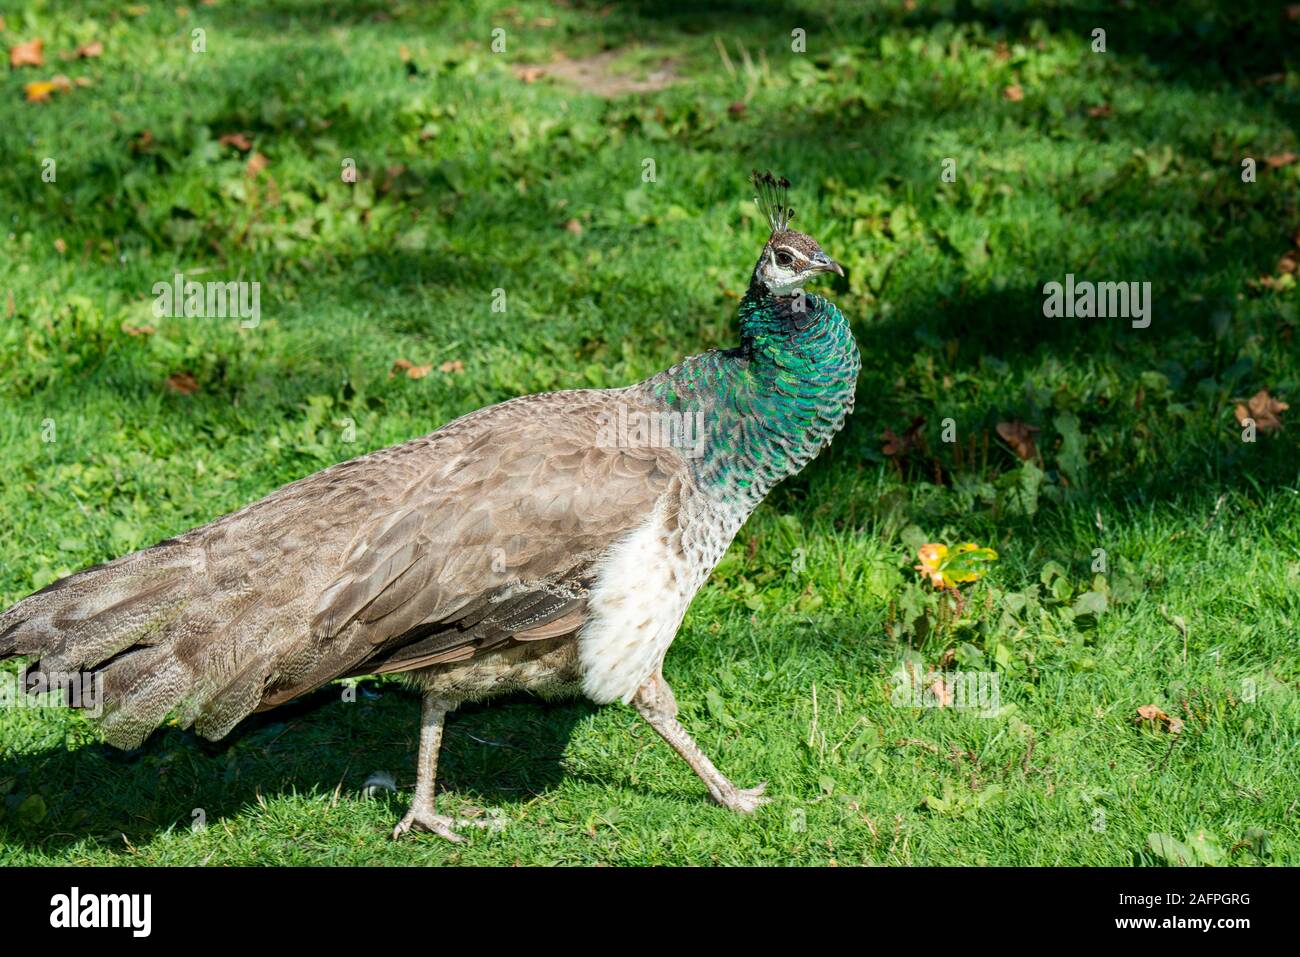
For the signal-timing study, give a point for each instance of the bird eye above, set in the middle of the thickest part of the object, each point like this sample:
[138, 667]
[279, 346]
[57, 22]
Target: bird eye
[783, 258]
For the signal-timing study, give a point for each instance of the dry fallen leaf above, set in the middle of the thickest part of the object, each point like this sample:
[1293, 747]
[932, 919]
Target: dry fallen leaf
[39, 91]
[574, 227]
[131, 330]
[89, 50]
[899, 446]
[1150, 712]
[1014, 93]
[452, 366]
[60, 246]
[737, 109]
[404, 54]
[1287, 263]
[1020, 436]
[142, 143]
[256, 163]
[530, 74]
[1281, 159]
[1264, 409]
[942, 692]
[182, 383]
[932, 555]
[239, 141]
[1099, 111]
[31, 53]
[410, 368]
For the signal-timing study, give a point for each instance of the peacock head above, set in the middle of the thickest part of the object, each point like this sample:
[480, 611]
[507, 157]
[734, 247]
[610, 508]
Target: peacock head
[790, 258]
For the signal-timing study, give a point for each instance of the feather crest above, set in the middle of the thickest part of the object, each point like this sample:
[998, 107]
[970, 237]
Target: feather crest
[771, 199]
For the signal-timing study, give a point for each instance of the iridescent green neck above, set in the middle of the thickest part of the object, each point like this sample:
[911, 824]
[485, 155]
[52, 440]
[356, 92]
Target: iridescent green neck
[770, 405]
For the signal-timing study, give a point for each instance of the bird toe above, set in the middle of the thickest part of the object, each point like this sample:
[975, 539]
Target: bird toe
[746, 800]
[432, 823]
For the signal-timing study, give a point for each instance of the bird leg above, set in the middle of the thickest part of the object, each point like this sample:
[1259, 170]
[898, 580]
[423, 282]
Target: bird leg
[655, 702]
[421, 816]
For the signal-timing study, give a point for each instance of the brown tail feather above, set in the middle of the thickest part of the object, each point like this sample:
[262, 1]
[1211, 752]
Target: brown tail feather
[131, 623]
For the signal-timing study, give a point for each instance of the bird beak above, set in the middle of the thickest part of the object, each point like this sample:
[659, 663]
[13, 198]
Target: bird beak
[824, 263]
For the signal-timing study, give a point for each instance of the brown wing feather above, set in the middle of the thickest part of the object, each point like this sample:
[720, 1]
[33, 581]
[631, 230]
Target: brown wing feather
[502, 545]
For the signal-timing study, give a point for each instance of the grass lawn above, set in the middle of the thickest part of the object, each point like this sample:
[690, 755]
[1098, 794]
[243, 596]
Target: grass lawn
[1148, 555]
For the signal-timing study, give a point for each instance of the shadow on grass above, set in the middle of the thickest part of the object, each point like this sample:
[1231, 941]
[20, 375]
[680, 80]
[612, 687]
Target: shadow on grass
[497, 755]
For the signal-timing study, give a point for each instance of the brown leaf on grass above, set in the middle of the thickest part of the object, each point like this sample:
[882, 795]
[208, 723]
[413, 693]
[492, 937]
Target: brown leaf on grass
[737, 109]
[31, 53]
[182, 383]
[942, 692]
[1015, 93]
[1287, 263]
[410, 368]
[574, 227]
[452, 366]
[1150, 712]
[1264, 409]
[256, 163]
[142, 142]
[87, 51]
[60, 246]
[131, 330]
[1099, 111]
[404, 53]
[1279, 160]
[1020, 436]
[239, 141]
[530, 74]
[899, 446]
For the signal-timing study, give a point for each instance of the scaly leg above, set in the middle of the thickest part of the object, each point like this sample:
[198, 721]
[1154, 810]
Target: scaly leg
[421, 816]
[655, 702]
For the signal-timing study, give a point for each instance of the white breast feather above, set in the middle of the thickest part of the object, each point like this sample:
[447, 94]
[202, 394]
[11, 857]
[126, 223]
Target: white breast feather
[635, 607]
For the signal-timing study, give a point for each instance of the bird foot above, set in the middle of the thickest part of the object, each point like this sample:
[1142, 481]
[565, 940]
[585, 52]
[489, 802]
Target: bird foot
[744, 800]
[418, 819]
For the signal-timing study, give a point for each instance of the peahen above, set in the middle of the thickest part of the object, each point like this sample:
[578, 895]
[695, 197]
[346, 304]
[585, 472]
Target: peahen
[550, 543]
